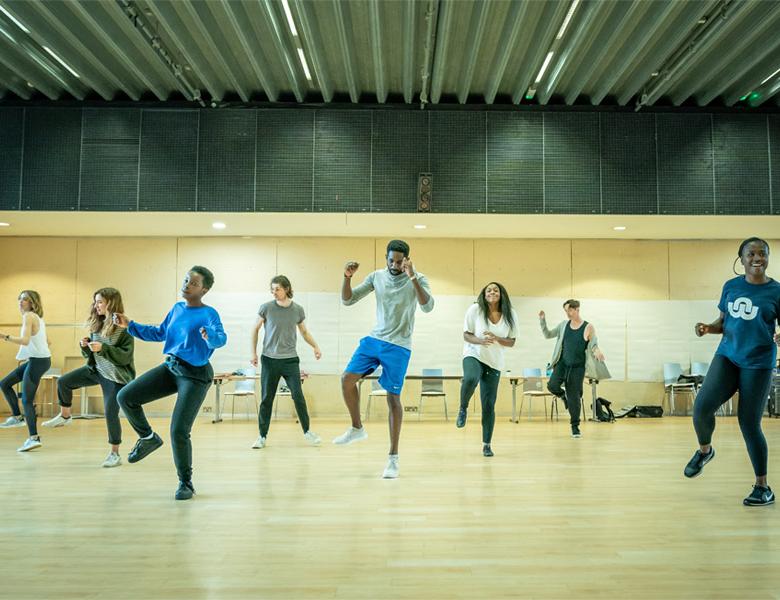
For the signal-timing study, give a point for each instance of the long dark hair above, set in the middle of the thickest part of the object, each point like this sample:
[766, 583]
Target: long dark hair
[504, 304]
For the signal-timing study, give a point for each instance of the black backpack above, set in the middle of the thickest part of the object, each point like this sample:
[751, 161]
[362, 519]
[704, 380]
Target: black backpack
[603, 411]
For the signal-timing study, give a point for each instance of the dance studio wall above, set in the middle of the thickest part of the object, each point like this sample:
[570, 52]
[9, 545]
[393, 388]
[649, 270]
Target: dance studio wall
[642, 296]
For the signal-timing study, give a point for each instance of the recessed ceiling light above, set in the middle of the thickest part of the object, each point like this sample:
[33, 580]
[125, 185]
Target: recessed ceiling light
[421, 227]
[619, 228]
[218, 225]
[5, 224]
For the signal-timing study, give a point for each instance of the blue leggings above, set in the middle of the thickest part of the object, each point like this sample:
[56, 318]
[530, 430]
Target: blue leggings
[723, 379]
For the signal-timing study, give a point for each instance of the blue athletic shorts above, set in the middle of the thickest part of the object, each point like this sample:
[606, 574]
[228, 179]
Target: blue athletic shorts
[393, 359]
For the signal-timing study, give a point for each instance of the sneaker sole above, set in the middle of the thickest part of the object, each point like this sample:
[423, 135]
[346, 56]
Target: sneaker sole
[28, 449]
[140, 458]
[352, 441]
[772, 501]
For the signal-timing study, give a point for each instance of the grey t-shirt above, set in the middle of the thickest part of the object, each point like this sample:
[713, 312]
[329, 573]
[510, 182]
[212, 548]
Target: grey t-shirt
[281, 329]
[396, 303]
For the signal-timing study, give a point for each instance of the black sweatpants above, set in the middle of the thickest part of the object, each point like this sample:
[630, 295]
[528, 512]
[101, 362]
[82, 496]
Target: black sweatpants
[476, 372]
[273, 369]
[29, 374]
[85, 377]
[190, 384]
[566, 383]
[723, 379]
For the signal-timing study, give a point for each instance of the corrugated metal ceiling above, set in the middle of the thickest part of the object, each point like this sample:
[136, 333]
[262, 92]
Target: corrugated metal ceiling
[553, 52]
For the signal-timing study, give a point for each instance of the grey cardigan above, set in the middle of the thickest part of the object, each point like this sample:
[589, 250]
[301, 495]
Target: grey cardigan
[594, 369]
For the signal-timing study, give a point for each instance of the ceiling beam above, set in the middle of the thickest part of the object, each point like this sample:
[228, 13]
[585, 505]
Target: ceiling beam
[507, 44]
[479, 18]
[313, 46]
[410, 29]
[344, 26]
[441, 33]
[375, 28]
[287, 55]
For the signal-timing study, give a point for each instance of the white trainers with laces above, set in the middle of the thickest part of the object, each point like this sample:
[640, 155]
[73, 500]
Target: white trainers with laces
[259, 442]
[112, 460]
[29, 444]
[351, 435]
[13, 421]
[58, 421]
[391, 470]
[312, 438]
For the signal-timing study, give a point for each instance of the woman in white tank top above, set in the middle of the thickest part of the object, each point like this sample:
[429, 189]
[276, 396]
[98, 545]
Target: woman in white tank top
[34, 351]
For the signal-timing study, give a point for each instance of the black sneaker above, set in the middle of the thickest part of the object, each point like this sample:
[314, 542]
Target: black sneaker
[144, 448]
[696, 464]
[461, 422]
[185, 491]
[486, 451]
[760, 496]
[575, 431]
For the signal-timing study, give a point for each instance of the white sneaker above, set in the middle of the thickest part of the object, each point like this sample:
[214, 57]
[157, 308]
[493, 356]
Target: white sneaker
[112, 460]
[391, 470]
[351, 435]
[58, 421]
[312, 438]
[29, 444]
[259, 442]
[13, 421]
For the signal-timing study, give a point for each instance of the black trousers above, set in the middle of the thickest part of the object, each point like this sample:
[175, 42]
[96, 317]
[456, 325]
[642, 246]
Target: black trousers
[190, 385]
[85, 377]
[273, 369]
[723, 379]
[29, 374]
[566, 383]
[476, 372]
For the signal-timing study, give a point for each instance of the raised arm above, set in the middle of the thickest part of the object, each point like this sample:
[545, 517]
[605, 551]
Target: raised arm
[350, 296]
[422, 288]
[548, 333]
[147, 333]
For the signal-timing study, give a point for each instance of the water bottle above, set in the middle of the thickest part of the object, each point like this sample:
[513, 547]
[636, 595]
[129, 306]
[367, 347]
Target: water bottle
[549, 370]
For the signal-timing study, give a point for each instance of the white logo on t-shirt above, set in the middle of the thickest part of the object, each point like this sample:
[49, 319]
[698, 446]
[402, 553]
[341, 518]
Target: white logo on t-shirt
[742, 308]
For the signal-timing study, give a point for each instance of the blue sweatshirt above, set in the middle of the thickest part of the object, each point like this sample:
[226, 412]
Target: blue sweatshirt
[181, 333]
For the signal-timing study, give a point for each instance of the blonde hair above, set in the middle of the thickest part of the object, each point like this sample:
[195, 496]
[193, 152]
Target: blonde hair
[35, 301]
[104, 323]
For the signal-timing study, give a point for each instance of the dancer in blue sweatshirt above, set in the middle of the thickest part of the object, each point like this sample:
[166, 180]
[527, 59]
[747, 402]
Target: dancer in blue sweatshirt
[191, 332]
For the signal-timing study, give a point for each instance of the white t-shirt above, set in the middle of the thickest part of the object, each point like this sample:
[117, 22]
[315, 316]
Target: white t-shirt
[493, 354]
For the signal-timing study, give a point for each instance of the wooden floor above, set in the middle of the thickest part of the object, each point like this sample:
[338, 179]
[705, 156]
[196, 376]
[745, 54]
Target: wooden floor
[606, 516]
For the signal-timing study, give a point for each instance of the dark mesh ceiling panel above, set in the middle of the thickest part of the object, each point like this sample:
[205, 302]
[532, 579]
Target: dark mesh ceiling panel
[400, 153]
[11, 132]
[741, 164]
[342, 161]
[515, 163]
[226, 160]
[774, 151]
[458, 161]
[628, 175]
[169, 159]
[52, 145]
[109, 159]
[571, 163]
[285, 148]
[685, 172]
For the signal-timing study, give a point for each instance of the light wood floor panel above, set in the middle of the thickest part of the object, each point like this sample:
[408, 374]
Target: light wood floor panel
[606, 516]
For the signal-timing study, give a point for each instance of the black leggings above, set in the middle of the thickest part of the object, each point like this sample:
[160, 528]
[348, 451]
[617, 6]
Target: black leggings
[273, 369]
[190, 383]
[85, 377]
[571, 378]
[476, 372]
[29, 374]
[723, 379]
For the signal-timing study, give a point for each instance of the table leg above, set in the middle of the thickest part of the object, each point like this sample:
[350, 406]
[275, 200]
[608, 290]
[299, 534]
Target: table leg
[514, 402]
[217, 413]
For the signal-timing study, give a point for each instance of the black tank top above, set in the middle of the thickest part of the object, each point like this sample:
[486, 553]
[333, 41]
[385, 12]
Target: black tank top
[574, 345]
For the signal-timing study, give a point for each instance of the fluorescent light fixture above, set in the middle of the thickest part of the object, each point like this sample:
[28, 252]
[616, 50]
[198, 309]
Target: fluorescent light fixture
[218, 225]
[304, 64]
[770, 77]
[5, 224]
[8, 35]
[14, 19]
[290, 21]
[421, 227]
[544, 67]
[569, 14]
[529, 95]
[619, 228]
[62, 62]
